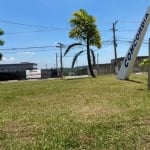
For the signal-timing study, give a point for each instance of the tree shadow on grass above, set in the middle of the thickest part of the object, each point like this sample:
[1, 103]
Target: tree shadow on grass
[138, 82]
[135, 81]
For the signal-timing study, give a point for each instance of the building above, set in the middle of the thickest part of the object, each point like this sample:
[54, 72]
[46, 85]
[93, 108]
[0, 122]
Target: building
[15, 71]
[17, 67]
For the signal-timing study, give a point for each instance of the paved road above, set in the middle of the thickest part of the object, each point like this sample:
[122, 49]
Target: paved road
[66, 77]
[76, 77]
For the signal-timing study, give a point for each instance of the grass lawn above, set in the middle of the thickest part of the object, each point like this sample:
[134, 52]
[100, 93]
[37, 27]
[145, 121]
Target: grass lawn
[83, 114]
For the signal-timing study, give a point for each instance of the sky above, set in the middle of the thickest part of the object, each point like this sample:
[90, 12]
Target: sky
[33, 29]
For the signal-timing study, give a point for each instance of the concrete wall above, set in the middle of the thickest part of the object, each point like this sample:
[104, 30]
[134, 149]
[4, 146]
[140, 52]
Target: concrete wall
[49, 73]
[105, 69]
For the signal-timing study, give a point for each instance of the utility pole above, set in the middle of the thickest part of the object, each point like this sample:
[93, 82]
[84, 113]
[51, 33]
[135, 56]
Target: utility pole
[60, 46]
[57, 65]
[97, 58]
[97, 66]
[115, 46]
[148, 85]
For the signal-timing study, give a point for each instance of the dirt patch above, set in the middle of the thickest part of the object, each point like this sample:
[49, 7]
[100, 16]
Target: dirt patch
[23, 133]
[95, 111]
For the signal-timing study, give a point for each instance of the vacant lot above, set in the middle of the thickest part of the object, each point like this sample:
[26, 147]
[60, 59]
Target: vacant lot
[82, 114]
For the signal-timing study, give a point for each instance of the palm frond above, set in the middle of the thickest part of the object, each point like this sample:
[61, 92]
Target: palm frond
[70, 46]
[75, 57]
[1, 42]
[1, 32]
[93, 57]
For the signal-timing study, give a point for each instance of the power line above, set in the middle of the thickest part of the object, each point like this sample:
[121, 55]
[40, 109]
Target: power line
[129, 21]
[50, 28]
[38, 47]
[24, 48]
[23, 24]
[34, 31]
[27, 51]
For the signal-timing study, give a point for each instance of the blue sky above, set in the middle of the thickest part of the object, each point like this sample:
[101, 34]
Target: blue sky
[43, 23]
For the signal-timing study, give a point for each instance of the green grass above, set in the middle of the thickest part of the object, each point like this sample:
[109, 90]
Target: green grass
[82, 114]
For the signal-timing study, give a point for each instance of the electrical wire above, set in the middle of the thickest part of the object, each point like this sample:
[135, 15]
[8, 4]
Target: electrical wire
[23, 48]
[35, 31]
[27, 25]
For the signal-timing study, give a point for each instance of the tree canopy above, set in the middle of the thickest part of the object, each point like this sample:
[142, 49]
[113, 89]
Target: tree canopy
[84, 29]
[1, 41]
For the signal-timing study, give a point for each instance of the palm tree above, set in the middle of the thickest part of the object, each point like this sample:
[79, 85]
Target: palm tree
[83, 28]
[1, 43]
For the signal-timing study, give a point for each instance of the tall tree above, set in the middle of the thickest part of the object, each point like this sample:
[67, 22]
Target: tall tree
[83, 28]
[1, 42]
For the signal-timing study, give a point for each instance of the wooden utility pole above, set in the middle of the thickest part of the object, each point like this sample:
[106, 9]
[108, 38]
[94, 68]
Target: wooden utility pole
[148, 85]
[57, 65]
[97, 58]
[60, 45]
[115, 46]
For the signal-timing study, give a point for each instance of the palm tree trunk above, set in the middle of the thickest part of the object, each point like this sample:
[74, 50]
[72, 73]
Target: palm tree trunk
[89, 60]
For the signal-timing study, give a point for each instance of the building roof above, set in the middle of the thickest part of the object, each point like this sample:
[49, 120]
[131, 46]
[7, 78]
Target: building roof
[22, 63]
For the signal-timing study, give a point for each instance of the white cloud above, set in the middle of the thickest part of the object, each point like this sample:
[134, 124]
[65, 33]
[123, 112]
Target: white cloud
[8, 59]
[27, 53]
